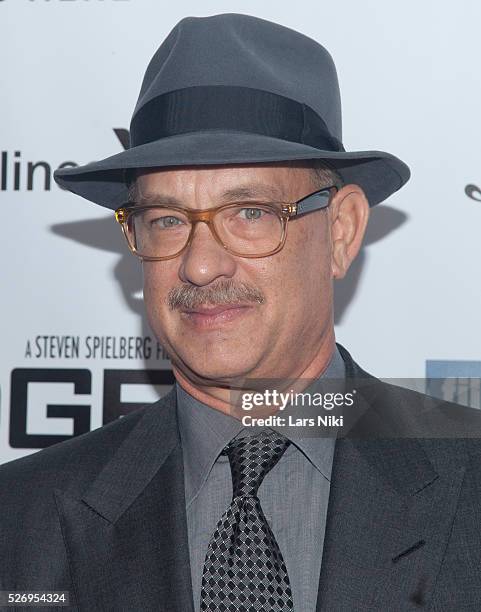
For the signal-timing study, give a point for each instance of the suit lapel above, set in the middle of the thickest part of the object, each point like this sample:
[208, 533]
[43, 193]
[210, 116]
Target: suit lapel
[386, 533]
[389, 518]
[126, 537]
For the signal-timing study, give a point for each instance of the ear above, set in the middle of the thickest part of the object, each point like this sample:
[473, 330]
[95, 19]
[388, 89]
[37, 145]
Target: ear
[349, 213]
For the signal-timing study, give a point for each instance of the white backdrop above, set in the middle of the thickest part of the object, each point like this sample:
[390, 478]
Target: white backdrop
[410, 82]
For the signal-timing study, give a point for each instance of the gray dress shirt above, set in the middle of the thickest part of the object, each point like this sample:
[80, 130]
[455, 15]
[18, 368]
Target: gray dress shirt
[293, 495]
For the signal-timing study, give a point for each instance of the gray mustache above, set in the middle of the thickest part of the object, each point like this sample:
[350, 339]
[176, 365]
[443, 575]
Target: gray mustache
[223, 292]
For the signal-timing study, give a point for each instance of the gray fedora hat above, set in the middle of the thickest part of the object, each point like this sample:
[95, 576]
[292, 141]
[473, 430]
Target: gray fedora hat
[231, 89]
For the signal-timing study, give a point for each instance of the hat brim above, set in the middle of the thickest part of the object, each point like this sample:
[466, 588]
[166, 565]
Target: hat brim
[379, 174]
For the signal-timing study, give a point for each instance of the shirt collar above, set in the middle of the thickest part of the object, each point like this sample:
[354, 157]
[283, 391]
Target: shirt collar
[205, 431]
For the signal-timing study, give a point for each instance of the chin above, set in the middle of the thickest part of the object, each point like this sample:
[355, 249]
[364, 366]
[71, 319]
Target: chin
[218, 356]
[215, 371]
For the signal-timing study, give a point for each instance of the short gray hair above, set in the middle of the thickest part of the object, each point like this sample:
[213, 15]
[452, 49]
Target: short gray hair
[324, 173]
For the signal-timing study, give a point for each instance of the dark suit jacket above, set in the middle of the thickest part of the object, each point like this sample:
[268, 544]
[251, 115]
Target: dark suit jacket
[103, 515]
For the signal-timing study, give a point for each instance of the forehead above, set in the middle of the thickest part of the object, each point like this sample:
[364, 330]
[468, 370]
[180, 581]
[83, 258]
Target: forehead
[279, 181]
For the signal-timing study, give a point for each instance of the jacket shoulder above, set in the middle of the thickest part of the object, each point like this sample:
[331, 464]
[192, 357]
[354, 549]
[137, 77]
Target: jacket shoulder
[33, 551]
[76, 461]
[393, 411]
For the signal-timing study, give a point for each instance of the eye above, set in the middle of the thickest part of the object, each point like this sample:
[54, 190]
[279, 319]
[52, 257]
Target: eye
[252, 214]
[166, 222]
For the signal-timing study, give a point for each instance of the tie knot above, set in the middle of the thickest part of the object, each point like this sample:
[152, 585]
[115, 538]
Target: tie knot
[251, 458]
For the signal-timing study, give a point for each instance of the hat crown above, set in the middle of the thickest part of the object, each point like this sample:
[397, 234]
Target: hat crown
[244, 51]
[235, 89]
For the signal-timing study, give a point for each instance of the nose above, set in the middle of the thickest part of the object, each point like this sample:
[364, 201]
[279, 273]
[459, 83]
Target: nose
[205, 260]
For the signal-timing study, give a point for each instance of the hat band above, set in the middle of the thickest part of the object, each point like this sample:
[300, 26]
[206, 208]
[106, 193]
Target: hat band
[231, 108]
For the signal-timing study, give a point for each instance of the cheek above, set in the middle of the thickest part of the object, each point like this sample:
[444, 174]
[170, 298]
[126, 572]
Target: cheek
[158, 278]
[308, 254]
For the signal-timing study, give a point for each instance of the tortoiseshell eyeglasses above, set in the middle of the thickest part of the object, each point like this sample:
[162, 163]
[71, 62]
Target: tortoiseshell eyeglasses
[246, 229]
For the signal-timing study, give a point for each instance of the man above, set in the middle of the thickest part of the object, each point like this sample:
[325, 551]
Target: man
[243, 205]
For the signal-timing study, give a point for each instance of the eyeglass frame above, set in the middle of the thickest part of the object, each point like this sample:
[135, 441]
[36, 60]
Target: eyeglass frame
[309, 203]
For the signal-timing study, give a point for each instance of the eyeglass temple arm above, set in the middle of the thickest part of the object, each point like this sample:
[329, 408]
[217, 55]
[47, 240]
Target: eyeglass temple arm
[315, 201]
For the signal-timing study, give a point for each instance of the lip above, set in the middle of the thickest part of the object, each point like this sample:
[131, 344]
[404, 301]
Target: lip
[205, 317]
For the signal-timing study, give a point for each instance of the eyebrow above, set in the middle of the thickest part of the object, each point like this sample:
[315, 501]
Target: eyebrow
[252, 191]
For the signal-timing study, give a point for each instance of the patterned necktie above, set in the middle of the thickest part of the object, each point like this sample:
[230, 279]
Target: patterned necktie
[244, 570]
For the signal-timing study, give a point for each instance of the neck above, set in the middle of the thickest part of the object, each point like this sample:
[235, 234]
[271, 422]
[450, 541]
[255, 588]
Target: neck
[218, 397]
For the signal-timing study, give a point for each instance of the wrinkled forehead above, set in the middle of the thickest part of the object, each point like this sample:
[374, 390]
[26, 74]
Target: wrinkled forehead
[281, 181]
